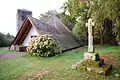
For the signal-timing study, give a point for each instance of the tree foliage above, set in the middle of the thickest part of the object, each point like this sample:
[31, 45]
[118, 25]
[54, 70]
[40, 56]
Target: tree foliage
[80, 31]
[67, 20]
[103, 13]
[77, 10]
[48, 14]
[100, 10]
[5, 40]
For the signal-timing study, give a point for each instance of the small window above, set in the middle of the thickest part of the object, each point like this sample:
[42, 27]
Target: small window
[23, 18]
[33, 36]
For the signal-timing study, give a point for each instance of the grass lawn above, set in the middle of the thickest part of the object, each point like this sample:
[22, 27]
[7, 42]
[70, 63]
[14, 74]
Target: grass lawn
[5, 49]
[58, 67]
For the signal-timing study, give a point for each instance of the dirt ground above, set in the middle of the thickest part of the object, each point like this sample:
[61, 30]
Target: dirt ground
[9, 55]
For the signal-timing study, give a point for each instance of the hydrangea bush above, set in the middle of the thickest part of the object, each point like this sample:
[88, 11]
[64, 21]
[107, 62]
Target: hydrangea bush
[43, 46]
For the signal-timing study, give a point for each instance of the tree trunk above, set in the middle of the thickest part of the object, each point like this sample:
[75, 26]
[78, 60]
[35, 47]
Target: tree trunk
[101, 36]
[101, 41]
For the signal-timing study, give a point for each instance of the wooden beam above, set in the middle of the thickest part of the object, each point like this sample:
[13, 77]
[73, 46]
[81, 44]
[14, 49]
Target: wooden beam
[25, 33]
[17, 36]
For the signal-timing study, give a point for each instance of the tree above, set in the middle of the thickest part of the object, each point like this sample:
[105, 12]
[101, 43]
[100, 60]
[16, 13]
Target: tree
[100, 10]
[103, 12]
[77, 12]
[80, 31]
[48, 14]
[5, 40]
[76, 8]
[67, 20]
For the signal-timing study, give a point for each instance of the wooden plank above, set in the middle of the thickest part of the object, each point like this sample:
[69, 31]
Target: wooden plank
[19, 32]
[26, 33]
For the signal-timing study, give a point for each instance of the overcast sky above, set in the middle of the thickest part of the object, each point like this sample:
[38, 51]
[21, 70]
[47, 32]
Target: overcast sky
[9, 8]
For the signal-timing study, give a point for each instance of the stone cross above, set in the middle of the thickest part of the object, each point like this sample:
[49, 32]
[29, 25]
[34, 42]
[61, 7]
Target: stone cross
[90, 24]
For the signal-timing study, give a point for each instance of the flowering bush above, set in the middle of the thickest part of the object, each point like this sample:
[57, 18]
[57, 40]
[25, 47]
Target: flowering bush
[44, 46]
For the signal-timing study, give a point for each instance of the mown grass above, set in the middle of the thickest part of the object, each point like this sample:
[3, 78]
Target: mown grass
[5, 49]
[58, 67]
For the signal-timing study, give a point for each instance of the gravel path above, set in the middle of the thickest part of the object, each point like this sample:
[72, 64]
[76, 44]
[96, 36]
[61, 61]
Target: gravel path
[10, 55]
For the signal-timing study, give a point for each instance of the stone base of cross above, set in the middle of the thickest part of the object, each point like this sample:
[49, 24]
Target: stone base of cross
[90, 54]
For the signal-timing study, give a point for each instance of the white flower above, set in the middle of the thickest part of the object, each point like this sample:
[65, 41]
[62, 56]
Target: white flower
[89, 69]
[101, 72]
[117, 75]
[73, 67]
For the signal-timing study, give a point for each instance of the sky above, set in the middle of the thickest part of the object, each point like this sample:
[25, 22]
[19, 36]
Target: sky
[9, 8]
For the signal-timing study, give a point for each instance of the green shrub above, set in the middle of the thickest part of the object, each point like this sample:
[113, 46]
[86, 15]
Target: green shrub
[43, 46]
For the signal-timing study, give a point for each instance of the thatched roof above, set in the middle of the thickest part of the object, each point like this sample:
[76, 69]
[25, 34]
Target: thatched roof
[54, 27]
[42, 26]
[54, 21]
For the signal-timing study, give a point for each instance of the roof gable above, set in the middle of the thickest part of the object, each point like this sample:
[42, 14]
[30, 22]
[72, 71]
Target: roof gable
[22, 33]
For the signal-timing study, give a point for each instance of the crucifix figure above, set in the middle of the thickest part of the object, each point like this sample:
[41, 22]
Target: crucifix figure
[90, 24]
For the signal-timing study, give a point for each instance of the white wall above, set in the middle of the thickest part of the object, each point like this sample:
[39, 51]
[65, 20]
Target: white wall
[32, 32]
